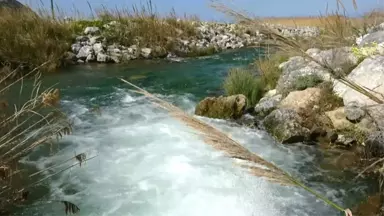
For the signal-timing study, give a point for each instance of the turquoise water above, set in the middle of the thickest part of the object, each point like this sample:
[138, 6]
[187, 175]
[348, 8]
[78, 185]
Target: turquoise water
[151, 164]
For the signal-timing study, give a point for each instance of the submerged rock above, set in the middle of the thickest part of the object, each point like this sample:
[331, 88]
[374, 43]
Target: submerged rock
[267, 104]
[286, 126]
[231, 107]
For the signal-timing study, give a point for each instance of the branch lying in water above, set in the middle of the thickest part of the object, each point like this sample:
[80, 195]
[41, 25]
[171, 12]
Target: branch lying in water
[233, 149]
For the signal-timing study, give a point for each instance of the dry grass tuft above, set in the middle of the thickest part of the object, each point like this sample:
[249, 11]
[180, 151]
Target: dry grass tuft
[35, 122]
[268, 67]
[143, 26]
[29, 40]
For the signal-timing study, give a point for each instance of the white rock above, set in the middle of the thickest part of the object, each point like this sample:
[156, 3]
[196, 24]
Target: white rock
[84, 52]
[98, 48]
[146, 52]
[369, 74]
[92, 30]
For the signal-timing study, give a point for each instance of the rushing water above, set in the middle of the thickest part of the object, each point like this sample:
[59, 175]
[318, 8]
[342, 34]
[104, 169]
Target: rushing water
[150, 164]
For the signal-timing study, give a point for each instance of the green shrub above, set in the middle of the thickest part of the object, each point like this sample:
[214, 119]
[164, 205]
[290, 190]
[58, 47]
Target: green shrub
[78, 26]
[202, 51]
[304, 82]
[242, 81]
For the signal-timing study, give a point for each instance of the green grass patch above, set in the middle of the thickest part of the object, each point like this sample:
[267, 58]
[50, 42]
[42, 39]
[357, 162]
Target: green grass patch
[269, 68]
[304, 82]
[242, 81]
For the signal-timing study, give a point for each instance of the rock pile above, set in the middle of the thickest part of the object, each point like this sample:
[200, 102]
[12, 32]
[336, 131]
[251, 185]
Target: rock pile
[210, 37]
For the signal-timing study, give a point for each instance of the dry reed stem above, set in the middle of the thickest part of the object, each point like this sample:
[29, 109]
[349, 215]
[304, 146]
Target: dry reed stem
[220, 141]
[232, 149]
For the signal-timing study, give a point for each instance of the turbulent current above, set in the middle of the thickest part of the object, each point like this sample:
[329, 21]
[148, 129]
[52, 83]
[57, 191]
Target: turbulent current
[149, 164]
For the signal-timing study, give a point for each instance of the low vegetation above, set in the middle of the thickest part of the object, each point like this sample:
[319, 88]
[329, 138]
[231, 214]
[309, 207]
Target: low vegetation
[305, 82]
[29, 41]
[143, 26]
[243, 81]
[269, 70]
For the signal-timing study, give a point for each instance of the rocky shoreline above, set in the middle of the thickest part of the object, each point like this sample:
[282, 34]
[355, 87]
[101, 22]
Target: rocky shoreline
[321, 112]
[210, 38]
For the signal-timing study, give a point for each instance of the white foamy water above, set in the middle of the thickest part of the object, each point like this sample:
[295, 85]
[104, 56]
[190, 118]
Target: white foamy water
[149, 164]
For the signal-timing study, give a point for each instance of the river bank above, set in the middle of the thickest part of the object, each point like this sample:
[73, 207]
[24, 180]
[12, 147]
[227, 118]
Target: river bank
[300, 107]
[151, 163]
[32, 40]
[331, 98]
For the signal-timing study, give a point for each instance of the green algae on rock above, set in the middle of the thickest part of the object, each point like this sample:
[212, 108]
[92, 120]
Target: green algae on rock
[231, 107]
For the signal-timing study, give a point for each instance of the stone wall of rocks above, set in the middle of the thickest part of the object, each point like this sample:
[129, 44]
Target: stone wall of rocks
[292, 115]
[92, 47]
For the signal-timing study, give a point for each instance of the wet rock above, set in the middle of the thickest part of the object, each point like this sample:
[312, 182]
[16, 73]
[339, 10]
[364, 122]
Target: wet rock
[266, 105]
[91, 30]
[286, 126]
[231, 107]
[370, 74]
[316, 133]
[84, 52]
[248, 121]
[374, 144]
[302, 101]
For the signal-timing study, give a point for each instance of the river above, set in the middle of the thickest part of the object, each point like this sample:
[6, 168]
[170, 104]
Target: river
[150, 164]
